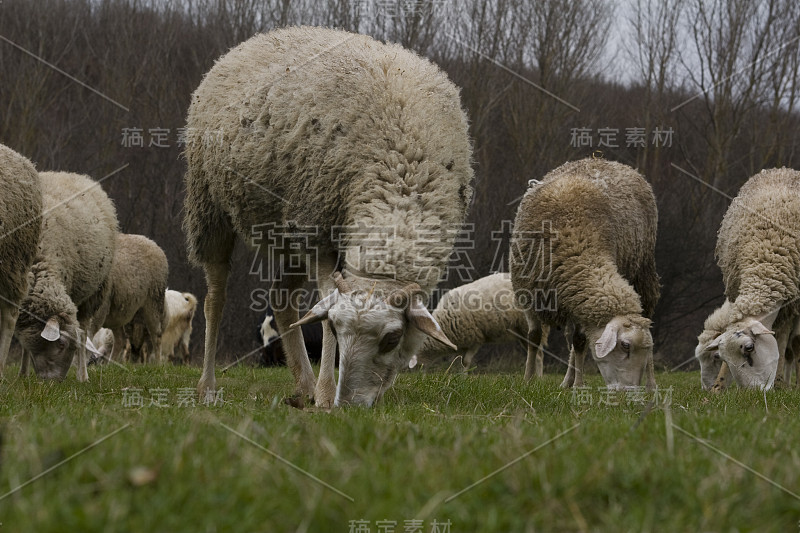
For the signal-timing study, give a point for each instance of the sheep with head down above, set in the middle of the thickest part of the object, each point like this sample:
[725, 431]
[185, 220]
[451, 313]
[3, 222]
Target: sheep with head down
[68, 280]
[587, 232]
[356, 153]
[758, 251]
[20, 228]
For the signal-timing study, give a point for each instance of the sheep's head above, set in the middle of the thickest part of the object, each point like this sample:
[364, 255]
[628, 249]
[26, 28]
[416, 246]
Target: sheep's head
[622, 349]
[751, 351]
[377, 333]
[53, 347]
[709, 359]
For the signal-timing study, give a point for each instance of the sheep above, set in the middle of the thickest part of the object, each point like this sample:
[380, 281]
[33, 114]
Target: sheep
[272, 353]
[179, 312]
[714, 373]
[179, 309]
[69, 278]
[346, 149]
[582, 256]
[137, 283]
[758, 252]
[484, 312]
[101, 345]
[20, 229]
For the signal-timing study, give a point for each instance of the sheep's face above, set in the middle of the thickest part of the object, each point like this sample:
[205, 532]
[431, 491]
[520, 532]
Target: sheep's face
[622, 350]
[377, 336]
[751, 351]
[710, 362]
[53, 349]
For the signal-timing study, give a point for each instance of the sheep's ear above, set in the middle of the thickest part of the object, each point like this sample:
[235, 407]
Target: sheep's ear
[412, 362]
[320, 311]
[421, 319]
[607, 341]
[714, 346]
[51, 331]
[758, 329]
[92, 348]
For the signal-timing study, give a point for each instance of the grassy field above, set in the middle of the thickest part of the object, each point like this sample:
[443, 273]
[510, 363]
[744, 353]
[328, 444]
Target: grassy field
[576, 461]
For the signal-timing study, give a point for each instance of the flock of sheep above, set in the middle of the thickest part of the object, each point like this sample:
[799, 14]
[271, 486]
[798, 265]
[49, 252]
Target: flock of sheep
[68, 274]
[328, 129]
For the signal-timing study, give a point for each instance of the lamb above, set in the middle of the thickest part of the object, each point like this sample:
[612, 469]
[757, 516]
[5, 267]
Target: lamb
[484, 312]
[137, 283]
[758, 251]
[714, 374]
[20, 229]
[68, 281]
[343, 148]
[586, 236]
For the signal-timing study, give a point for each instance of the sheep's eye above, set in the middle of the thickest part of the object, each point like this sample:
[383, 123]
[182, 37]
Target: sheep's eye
[390, 341]
[626, 345]
[749, 347]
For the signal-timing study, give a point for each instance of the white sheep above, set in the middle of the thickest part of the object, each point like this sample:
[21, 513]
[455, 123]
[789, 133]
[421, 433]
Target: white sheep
[715, 374]
[20, 228]
[758, 251]
[179, 309]
[483, 312]
[137, 283]
[69, 277]
[585, 237]
[343, 148]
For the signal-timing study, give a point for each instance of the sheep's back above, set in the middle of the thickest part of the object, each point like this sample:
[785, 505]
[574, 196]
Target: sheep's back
[20, 221]
[316, 124]
[758, 243]
[79, 231]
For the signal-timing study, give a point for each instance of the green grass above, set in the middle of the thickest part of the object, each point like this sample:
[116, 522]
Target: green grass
[433, 435]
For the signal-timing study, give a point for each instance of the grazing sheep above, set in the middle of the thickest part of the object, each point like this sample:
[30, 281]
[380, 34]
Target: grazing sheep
[20, 228]
[69, 277]
[586, 234]
[758, 251]
[179, 313]
[137, 283]
[714, 373]
[272, 353]
[179, 308]
[346, 149]
[102, 345]
[483, 312]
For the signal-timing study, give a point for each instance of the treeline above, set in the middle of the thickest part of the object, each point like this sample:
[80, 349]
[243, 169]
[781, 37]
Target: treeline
[698, 95]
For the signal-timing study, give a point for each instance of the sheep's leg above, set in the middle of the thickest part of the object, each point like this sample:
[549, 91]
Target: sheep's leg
[539, 368]
[23, 368]
[579, 347]
[650, 385]
[216, 279]
[782, 336]
[286, 314]
[534, 341]
[8, 319]
[723, 378]
[469, 355]
[152, 322]
[325, 390]
[117, 351]
[569, 377]
[82, 370]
